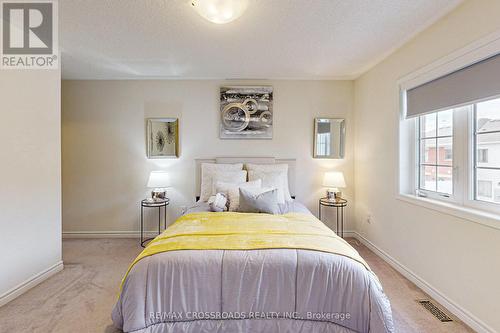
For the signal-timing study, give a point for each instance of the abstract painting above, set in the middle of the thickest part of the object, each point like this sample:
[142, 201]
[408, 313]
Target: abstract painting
[246, 112]
[163, 137]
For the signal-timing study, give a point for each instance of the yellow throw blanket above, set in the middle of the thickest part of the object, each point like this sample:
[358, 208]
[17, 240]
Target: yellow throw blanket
[246, 231]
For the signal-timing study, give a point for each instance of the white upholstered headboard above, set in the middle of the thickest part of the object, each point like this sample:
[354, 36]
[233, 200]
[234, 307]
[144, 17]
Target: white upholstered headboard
[254, 160]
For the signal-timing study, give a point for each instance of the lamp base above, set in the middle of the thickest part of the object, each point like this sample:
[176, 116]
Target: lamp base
[333, 194]
[159, 194]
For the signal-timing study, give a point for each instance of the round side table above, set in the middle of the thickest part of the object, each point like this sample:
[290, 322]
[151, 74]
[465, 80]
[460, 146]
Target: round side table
[339, 204]
[148, 203]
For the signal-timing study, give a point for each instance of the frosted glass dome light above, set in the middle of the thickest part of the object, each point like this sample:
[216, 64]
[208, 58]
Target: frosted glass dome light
[220, 11]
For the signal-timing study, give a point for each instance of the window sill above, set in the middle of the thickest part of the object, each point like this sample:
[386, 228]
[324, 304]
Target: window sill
[477, 216]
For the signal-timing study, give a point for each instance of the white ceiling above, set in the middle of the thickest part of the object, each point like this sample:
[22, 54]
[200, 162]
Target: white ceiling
[274, 39]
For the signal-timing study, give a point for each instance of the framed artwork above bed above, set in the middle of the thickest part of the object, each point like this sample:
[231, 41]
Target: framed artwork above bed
[163, 138]
[246, 112]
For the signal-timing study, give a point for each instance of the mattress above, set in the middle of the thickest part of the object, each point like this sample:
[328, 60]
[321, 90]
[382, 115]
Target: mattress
[270, 290]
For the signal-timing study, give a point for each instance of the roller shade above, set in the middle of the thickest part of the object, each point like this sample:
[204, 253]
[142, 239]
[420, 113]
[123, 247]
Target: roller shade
[475, 82]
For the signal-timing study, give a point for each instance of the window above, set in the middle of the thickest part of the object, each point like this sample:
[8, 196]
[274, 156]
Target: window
[435, 172]
[487, 148]
[482, 155]
[448, 154]
[323, 144]
[473, 132]
[484, 189]
[449, 134]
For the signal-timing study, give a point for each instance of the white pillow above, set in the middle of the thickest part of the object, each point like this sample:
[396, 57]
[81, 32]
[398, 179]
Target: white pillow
[232, 191]
[271, 168]
[208, 171]
[233, 177]
[271, 180]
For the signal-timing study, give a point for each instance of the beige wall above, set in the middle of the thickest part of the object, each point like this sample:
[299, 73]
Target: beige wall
[105, 168]
[30, 176]
[457, 257]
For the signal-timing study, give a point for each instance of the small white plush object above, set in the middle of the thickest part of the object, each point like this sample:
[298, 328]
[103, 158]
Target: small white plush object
[217, 202]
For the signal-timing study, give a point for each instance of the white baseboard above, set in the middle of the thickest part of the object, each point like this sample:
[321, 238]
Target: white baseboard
[349, 233]
[464, 315]
[107, 234]
[30, 283]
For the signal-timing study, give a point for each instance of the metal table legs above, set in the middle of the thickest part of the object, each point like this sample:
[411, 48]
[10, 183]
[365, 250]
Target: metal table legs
[143, 240]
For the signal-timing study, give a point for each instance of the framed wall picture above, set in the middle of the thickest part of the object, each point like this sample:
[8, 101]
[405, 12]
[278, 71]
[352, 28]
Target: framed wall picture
[163, 137]
[246, 112]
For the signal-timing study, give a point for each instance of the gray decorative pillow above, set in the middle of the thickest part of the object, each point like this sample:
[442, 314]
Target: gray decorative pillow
[255, 202]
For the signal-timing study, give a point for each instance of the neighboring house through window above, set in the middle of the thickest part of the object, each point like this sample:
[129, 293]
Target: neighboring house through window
[436, 152]
[482, 155]
[486, 138]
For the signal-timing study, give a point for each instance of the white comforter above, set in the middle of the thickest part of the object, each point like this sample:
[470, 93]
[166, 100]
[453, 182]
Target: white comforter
[275, 290]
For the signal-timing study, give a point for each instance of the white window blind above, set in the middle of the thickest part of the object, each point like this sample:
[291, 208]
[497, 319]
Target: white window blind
[473, 83]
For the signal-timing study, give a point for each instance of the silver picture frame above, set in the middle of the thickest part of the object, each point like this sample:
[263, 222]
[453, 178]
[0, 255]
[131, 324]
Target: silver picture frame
[162, 138]
[246, 112]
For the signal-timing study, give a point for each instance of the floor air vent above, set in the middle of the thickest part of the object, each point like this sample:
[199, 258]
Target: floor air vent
[434, 310]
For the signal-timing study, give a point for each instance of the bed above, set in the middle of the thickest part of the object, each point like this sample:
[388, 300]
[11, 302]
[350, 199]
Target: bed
[231, 286]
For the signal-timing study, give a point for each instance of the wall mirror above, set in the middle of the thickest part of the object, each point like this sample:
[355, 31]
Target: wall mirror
[329, 138]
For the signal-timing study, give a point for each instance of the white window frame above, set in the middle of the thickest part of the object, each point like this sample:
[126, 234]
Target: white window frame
[428, 193]
[462, 204]
[469, 200]
[464, 156]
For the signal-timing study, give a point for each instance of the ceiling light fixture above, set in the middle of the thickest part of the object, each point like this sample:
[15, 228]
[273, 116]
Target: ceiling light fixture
[220, 11]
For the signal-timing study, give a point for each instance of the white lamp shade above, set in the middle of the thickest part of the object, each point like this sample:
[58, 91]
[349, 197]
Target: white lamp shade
[158, 179]
[220, 11]
[334, 179]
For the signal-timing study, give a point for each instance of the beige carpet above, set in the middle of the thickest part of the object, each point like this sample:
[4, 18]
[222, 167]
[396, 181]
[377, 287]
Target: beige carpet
[80, 298]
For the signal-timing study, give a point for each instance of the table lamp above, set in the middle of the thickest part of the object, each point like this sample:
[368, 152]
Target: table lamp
[158, 180]
[333, 180]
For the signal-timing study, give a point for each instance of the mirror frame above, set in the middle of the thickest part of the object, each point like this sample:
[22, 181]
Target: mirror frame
[341, 143]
